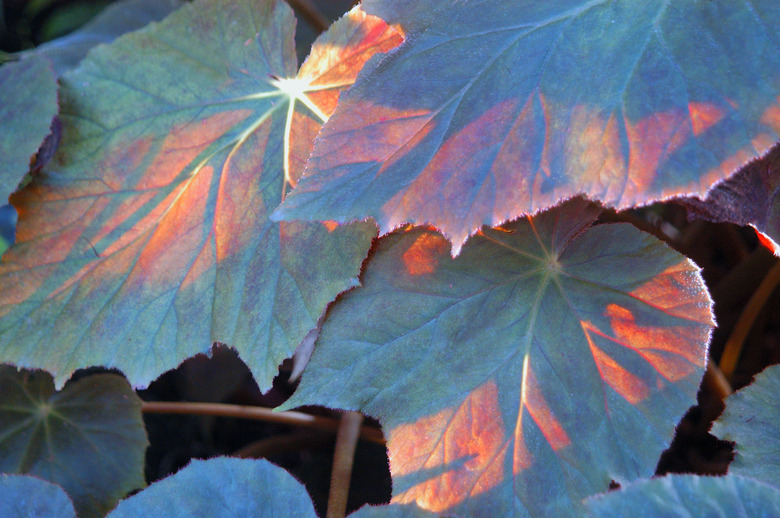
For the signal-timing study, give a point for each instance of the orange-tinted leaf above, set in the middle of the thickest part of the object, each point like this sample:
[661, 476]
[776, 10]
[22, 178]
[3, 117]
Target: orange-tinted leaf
[546, 360]
[491, 110]
[147, 238]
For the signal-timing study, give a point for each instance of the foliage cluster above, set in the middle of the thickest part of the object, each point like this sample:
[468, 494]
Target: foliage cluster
[437, 200]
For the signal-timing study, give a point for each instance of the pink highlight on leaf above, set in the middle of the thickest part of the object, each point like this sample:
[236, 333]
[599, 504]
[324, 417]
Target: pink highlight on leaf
[466, 441]
[704, 116]
[423, 256]
[672, 351]
[330, 225]
[631, 387]
[542, 414]
[653, 139]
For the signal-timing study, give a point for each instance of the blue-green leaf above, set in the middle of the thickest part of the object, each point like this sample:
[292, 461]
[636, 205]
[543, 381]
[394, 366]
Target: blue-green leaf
[29, 497]
[689, 496]
[221, 487]
[751, 419]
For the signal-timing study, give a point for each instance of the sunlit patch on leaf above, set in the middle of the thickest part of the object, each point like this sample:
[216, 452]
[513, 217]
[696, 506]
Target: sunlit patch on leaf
[467, 444]
[544, 346]
[505, 108]
[149, 229]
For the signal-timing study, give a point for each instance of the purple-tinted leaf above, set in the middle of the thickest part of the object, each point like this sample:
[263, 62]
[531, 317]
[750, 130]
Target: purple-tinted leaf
[147, 237]
[493, 109]
[749, 197]
[546, 360]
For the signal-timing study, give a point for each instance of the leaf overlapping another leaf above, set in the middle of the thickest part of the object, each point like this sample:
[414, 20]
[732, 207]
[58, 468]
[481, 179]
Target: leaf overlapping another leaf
[518, 378]
[221, 487]
[689, 495]
[28, 103]
[492, 109]
[749, 197]
[25, 497]
[89, 438]
[147, 237]
[750, 421]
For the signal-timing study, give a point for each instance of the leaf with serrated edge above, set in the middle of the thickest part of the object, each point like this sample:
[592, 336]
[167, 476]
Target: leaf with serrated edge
[688, 496]
[116, 19]
[491, 110]
[751, 420]
[89, 438]
[221, 487]
[749, 197]
[546, 360]
[147, 237]
[30, 497]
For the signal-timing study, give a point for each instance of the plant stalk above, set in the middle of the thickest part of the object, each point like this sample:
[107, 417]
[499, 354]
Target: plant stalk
[257, 413]
[733, 347]
[311, 14]
[343, 458]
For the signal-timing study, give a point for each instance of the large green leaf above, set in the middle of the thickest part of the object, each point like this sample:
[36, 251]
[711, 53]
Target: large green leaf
[494, 109]
[545, 361]
[89, 438]
[221, 487]
[689, 496]
[118, 18]
[751, 419]
[28, 103]
[30, 497]
[147, 237]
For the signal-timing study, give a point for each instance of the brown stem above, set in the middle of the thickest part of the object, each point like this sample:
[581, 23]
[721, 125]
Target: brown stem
[282, 444]
[256, 413]
[733, 347]
[716, 382]
[311, 14]
[343, 457]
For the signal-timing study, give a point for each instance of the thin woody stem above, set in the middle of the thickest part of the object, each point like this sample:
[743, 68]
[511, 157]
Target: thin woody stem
[256, 413]
[311, 14]
[343, 458]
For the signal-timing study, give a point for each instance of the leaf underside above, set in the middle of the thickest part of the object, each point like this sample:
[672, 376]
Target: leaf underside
[518, 378]
[491, 110]
[147, 237]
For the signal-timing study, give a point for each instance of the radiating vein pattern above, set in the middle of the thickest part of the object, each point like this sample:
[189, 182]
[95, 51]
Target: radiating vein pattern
[517, 378]
[491, 110]
[147, 237]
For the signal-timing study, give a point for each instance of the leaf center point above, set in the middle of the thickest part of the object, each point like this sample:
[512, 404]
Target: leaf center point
[293, 87]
